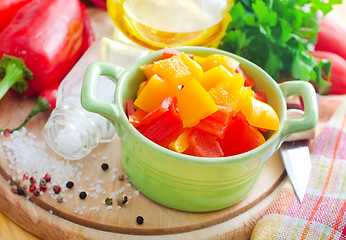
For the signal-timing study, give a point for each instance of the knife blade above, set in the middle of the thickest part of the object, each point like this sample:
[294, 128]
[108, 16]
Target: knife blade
[296, 156]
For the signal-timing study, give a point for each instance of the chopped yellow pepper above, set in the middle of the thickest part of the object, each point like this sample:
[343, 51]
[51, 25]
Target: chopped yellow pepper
[199, 60]
[148, 70]
[193, 66]
[194, 103]
[260, 114]
[228, 93]
[215, 60]
[141, 87]
[177, 69]
[181, 143]
[153, 93]
[213, 77]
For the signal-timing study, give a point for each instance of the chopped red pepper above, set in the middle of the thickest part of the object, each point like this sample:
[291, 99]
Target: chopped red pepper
[249, 82]
[170, 52]
[204, 144]
[260, 94]
[163, 124]
[216, 123]
[240, 137]
[130, 109]
[136, 118]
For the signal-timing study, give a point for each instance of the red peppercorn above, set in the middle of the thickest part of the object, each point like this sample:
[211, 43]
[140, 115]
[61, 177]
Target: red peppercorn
[56, 189]
[13, 190]
[36, 193]
[7, 132]
[25, 177]
[47, 177]
[32, 180]
[32, 188]
[43, 188]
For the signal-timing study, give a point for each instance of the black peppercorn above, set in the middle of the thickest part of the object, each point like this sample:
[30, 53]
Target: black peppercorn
[69, 184]
[104, 166]
[20, 191]
[140, 220]
[82, 195]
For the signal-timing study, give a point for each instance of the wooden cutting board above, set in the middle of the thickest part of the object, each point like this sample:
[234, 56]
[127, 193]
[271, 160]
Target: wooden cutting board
[87, 218]
[44, 217]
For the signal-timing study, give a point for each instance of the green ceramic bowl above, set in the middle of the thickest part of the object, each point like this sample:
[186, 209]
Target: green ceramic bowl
[186, 182]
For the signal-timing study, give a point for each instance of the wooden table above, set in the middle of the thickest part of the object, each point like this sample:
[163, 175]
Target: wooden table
[246, 220]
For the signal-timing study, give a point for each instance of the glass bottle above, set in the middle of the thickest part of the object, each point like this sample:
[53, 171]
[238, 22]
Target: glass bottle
[71, 131]
[165, 23]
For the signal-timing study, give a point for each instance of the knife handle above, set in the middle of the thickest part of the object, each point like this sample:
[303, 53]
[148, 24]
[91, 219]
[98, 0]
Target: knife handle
[309, 119]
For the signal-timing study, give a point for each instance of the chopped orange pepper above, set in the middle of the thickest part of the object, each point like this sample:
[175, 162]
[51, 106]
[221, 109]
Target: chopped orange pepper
[213, 77]
[229, 92]
[215, 60]
[177, 70]
[154, 92]
[194, 103]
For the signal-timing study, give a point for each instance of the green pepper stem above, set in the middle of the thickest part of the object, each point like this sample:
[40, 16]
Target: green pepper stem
[14, 74]
[41, 105]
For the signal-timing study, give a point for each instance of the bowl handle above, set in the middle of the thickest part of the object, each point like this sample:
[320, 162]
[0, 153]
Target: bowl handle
[88, 96]
[309, 119]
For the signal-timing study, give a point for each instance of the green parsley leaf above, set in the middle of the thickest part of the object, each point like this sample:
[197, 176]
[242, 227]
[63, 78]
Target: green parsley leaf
[278, 35]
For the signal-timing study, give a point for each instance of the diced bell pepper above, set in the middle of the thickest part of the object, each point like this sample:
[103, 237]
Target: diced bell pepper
[204, 145]
[215, 60]
[194, 103]
[216, 123]
[154, 92]
[177, 70]
[170, 52]
[229, 92]
[240, 137]
[213, 77]
[148, 70]
[249, 82]
[261, 115]
[163, 124]
[181, 143]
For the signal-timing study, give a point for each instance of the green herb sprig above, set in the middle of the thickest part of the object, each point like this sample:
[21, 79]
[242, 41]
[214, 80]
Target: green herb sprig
[278, 35]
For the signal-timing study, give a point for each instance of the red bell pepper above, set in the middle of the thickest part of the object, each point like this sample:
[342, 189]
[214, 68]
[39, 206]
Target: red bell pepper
[204, 145]
[337, 71]
[240, 137]
[331, 36]
[99, 3]
[8, 9]
[88, 33]
[216, 123]
[163, 124]
[47, 36]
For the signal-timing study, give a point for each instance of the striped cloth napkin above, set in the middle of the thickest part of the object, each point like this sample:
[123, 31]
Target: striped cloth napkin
[322, 214]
